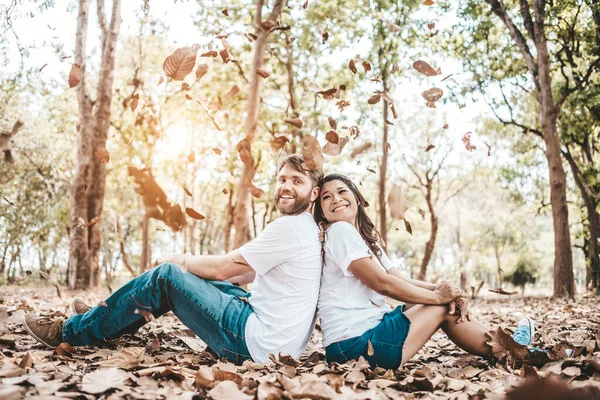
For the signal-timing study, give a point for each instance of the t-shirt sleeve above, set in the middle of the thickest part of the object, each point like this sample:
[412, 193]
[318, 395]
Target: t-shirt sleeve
[275, 245]
[385, 261]
[344, 245]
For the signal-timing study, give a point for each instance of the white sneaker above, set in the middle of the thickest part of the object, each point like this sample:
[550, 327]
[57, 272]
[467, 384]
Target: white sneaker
[524, 332]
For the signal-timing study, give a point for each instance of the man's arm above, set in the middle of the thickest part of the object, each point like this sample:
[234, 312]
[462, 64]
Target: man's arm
[217, 268]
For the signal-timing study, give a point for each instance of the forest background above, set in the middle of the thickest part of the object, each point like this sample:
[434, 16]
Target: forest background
[472, 129]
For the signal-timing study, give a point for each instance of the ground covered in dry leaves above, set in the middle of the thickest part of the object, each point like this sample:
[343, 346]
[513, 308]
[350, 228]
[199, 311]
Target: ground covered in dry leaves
[165, 360]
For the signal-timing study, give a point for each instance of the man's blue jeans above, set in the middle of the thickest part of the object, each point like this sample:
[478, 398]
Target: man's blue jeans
[213, 310]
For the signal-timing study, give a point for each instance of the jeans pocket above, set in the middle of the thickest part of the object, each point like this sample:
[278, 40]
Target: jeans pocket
[234, 357]
[387, 356]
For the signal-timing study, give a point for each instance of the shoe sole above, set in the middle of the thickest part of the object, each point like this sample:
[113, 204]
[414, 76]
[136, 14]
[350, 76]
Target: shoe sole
[72, 309]
[36, 337]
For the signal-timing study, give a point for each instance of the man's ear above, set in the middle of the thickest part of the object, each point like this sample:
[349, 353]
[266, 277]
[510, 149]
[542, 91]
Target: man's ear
[314, 194]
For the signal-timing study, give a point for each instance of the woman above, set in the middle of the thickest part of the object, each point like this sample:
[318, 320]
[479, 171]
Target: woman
[357, 274]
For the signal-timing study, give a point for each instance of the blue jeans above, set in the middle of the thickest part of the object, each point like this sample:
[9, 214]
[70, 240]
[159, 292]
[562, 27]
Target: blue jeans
[213, 310]
[387, 340]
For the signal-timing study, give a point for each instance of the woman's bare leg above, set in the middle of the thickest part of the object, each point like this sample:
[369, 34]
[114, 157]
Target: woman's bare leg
[426, 320]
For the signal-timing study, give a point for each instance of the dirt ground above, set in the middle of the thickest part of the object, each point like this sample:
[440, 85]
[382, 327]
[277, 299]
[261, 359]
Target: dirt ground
[165, 360]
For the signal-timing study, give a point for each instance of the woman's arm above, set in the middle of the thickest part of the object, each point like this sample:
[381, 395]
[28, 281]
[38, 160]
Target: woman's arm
[369, 272]
[425, 285]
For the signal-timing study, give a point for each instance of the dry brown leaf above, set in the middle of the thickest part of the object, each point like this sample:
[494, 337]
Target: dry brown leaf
[201, 71]
[407, 226]
[279, 142]
[297, 122]
[228, 390]
[160, 80]
[74, 75]
[397, 202]
[446, 126]
[192, 156]
[424, 68]
[431, 146]
[179, 64]
[225, 55]
[370, 349]
[392, 27]
[235, 89]
[332, 137]
[64, 350]
[431, 25]
[428, 2]
[194, 214]
[26, 361]
[127, 358]
[80, 222]
[217, 151]
[503, 345]
[466, 139]
[376, 98]
[352, 66]
[360, 149]
[262, 73]
[332, 123]
[335, 149]
[210, 53]
[225, 12]
[148, 316]
[134, 102]
[101, 380]
[366, 66]
[93, 221]
[243, 147]
[312, 153]
[432, 95]
[102, 155]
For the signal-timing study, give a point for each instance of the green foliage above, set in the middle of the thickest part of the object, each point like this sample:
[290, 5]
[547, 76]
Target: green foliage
[524, 272]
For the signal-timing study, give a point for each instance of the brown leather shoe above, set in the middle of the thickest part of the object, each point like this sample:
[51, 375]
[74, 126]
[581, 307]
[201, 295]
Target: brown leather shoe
[79, 307]
[44, 330]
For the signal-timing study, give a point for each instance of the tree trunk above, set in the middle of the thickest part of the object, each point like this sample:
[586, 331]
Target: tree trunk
[433, 219]
[79, 267]
[241, 215]
[383, 169]
[592, 252]
[102, 122]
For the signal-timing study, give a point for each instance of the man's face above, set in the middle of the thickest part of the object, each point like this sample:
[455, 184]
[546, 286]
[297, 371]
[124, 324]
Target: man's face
[294, 193]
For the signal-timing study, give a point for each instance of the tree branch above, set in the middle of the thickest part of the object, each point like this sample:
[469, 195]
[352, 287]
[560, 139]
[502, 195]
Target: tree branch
[101, 20]
[528, 22]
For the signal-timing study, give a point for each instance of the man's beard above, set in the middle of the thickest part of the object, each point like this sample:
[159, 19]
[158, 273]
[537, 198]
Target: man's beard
[295, 207]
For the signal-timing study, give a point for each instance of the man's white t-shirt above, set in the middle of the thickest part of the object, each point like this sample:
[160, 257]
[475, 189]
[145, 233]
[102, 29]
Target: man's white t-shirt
[347, 308]
[287, 259]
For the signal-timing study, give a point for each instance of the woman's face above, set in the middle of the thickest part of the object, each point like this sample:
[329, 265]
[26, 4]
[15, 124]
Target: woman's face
[338, 202]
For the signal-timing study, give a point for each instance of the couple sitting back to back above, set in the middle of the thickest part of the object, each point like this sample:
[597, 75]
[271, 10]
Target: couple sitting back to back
[288, 260]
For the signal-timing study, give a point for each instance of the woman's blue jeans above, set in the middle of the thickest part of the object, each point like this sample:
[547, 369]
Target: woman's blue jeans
[213, 310]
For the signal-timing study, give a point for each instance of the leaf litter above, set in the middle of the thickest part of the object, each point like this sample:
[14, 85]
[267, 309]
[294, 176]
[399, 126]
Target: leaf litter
[166, 359]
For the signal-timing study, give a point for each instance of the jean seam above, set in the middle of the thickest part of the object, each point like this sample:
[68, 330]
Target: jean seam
[341, 352]
[203, 309]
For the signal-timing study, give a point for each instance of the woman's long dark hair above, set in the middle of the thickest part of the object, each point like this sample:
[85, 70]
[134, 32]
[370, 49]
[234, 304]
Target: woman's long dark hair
[365, 226]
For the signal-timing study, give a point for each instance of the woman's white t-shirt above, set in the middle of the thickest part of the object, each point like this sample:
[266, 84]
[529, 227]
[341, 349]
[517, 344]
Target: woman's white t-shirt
[347, 308]
[287, 259]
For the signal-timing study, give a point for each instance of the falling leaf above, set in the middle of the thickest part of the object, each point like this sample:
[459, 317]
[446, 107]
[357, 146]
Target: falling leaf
[342, 104]
[134, 102]
[92, 222]
[422, 214]
[80, 222]
[370, 349]
[74, 75]
[360, 149]
[366, 66]
[188, 97]
[43, 66]
[460, 106]
[428, 2]
[210, 53]
[251, 37]
[335, 149]
[424, 68]
[212, 119]
[225, 191]
[295, 122]
[466, 139]
[235, 89]
[179, 64]
[432, 95]
[447, 77]
[186, 190]
[267, 25]
[445, 126]
[243, 147]
[371, 170]
[225, 12]
[332, 137]
[148, 316]
[194, 214]
[201, 71]
[216, 104]
[185, 86]
[305, 5]
[431, 25]
[279, 142]
[393, 27]
[224, 55]
[395, 68]
[397, 202]
[217, 151]
[354, 131]
[262, 73]
[431, 146]
[160, 80]
[332, 123]
[407, 227]
[312, 153]
[102, 155]
[374, 99]
[352, 66]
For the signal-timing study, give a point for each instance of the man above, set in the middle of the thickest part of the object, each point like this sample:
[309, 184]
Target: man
[277, 318]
